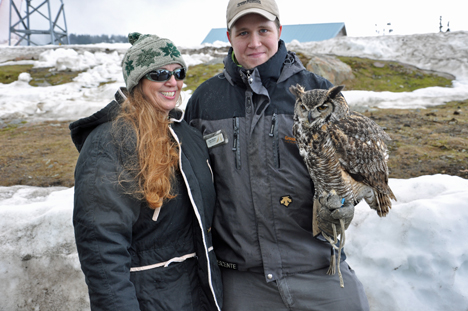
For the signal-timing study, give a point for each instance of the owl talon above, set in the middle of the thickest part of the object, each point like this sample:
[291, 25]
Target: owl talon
[331, 200]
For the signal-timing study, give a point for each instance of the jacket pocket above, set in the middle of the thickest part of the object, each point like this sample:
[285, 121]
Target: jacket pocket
[274, 134]
[168, 288]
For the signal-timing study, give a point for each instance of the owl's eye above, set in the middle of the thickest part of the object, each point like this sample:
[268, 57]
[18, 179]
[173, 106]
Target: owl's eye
[322, 108]
[303, 108]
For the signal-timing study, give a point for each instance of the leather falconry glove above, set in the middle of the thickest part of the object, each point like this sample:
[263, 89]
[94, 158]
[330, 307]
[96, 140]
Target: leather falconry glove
[333, 208]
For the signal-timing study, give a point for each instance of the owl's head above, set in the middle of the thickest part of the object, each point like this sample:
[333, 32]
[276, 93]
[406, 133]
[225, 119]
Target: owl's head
[319, 106]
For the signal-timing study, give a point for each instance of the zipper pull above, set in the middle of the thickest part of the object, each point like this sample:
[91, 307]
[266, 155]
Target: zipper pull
[273, 122]
[248, 77]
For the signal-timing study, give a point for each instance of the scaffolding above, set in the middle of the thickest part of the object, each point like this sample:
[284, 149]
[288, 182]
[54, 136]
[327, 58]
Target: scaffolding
[57, 31]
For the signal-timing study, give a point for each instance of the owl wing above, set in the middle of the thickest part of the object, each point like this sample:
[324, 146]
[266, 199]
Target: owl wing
[361, 149]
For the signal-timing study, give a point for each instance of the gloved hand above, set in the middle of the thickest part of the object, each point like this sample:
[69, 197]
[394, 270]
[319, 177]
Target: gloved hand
[331, 210]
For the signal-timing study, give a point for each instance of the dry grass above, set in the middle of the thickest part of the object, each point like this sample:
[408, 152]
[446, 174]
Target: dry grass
[424, 141]
[37, 154]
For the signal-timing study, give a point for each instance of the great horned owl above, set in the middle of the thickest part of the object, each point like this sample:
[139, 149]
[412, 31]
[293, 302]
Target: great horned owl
[344, 151]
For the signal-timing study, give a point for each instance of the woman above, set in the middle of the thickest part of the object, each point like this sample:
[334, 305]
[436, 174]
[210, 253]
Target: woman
[144, 194]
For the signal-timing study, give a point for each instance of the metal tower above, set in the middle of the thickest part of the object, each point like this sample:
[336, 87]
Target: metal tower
[58, 33]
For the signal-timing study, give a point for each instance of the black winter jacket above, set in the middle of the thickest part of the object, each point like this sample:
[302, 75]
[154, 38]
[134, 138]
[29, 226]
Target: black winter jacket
[263, 217]
[118, 237]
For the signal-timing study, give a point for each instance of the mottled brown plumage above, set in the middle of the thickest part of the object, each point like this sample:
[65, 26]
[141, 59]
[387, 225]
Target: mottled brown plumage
[346, 155]
[344, 151]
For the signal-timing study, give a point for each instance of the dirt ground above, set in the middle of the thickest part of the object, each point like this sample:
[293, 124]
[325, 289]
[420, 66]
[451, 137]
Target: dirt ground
[37, 154]
[424, 142]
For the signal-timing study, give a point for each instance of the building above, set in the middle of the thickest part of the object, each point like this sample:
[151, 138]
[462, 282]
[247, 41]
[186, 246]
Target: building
[301, 33]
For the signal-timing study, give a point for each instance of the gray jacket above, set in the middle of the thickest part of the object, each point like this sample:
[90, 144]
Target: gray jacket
[263, 217]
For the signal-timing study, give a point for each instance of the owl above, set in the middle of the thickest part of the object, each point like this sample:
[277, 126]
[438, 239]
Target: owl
[343, 150]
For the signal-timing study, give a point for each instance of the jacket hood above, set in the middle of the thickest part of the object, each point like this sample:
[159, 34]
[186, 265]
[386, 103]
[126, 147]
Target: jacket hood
[81, 128]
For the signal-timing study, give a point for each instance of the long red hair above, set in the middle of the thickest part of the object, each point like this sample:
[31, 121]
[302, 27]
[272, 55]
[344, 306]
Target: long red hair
[157, 152]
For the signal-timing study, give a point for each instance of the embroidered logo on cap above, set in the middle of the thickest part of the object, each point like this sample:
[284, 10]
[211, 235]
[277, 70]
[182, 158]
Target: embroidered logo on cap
[249, 1]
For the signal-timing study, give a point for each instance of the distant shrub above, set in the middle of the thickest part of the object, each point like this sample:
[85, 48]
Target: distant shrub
[89, 39]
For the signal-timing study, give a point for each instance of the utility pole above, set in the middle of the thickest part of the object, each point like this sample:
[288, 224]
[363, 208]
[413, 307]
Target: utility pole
[57, 31]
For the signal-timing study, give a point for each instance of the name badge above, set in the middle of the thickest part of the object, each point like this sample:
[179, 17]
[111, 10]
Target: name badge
[216, 139]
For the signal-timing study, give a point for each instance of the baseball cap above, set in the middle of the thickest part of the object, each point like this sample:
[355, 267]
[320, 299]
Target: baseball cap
[238, 8]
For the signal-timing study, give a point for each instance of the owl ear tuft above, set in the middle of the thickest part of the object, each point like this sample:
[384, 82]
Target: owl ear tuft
[297, 90]
[334, 91]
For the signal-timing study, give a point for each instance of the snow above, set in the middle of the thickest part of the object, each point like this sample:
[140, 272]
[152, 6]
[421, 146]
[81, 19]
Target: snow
[413, 259]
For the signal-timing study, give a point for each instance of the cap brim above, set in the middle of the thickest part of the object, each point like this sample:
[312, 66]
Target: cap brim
[264, 13]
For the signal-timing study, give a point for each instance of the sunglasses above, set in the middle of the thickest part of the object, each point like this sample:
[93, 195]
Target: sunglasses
[162, 75]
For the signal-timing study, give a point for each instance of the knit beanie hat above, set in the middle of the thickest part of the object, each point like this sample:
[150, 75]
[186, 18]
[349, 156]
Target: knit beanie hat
[147, 53]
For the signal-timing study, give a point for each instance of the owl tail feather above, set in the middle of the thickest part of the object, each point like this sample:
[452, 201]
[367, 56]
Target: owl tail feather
[333, 260]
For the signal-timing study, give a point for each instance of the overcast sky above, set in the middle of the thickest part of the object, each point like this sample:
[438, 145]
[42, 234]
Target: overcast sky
[187, 22]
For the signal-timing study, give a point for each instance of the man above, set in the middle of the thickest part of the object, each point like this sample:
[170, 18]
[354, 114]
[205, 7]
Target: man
[263, 221]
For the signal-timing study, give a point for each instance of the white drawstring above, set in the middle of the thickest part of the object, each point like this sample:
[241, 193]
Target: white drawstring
[164, 264]
[167, 263]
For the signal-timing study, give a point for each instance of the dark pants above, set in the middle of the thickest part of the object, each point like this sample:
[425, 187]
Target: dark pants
[315, 290]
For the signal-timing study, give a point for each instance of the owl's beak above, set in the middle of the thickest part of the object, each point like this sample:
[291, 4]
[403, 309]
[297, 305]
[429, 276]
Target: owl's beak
[309, 117]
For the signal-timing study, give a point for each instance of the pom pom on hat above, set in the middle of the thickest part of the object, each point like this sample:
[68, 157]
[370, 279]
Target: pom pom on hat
[133, 37]
[147, 53]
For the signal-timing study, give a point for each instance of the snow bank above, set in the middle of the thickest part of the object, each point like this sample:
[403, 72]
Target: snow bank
[39, 267]
[413, 259]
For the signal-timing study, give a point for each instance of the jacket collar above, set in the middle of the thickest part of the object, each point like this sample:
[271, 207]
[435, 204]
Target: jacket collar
[176, 115]
[121, 95]
[270, 70]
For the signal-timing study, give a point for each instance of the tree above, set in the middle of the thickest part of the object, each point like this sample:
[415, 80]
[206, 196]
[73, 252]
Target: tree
[89, 39]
